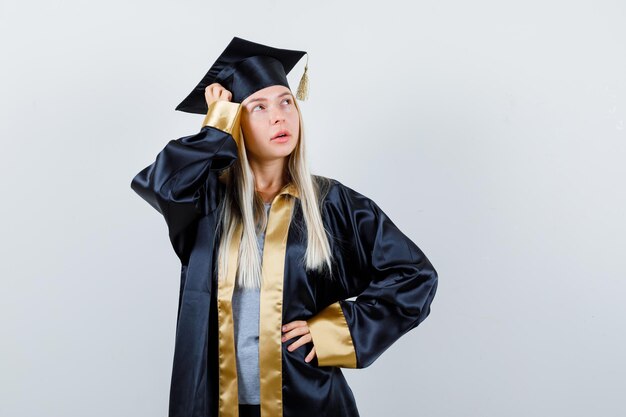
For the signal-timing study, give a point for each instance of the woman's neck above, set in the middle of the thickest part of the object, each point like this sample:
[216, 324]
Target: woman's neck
[269, 178]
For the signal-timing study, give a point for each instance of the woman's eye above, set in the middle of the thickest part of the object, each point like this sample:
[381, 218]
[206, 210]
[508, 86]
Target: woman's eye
[288, 100]
[256, 107]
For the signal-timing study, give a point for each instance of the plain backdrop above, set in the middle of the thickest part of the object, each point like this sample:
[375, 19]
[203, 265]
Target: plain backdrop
[492, 133]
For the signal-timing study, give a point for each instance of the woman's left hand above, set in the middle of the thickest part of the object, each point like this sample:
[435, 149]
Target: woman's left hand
[296, 328]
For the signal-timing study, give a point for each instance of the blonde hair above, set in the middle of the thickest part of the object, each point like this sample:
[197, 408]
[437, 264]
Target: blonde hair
[241, 204]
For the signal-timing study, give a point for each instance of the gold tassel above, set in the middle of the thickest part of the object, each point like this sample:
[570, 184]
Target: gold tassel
[303, 86]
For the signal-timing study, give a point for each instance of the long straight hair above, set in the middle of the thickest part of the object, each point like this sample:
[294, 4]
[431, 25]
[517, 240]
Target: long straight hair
[242, 204]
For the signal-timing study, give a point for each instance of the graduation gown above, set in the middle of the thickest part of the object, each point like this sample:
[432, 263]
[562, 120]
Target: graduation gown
[393, 281]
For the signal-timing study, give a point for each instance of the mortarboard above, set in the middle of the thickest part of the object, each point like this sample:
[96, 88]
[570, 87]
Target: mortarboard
[245, 67]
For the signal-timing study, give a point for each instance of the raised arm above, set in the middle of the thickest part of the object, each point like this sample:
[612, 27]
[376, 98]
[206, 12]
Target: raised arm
[178, 182]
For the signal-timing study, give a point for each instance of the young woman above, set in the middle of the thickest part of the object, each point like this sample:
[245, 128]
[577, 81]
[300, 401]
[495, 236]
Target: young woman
[270, 254]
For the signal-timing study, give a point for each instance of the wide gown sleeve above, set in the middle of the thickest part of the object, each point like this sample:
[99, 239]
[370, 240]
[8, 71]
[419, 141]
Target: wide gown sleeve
[183, 178]
[399, 285]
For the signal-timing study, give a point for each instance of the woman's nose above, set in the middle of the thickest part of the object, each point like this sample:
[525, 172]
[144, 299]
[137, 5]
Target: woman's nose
[278, 116]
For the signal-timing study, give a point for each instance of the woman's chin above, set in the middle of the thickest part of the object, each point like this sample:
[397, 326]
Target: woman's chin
[280, 152]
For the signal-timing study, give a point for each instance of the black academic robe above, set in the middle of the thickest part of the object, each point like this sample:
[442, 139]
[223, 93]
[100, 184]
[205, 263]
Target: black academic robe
[393, 281]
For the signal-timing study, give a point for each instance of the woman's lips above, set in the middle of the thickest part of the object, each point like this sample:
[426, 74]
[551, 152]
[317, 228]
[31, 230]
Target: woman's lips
[281, 139]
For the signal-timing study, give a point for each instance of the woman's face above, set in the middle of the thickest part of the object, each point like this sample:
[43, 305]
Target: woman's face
[265, 114]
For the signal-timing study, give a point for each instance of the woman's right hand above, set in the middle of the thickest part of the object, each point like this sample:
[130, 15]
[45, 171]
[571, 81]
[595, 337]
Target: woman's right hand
[216, 91]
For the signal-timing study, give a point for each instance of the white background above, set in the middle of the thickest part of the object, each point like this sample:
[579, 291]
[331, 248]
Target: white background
[492, 133]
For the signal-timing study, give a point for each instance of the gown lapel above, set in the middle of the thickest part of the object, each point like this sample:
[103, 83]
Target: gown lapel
[270, 315]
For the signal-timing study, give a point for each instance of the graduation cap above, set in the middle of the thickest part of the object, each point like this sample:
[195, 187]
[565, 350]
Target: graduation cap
[245, 67]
